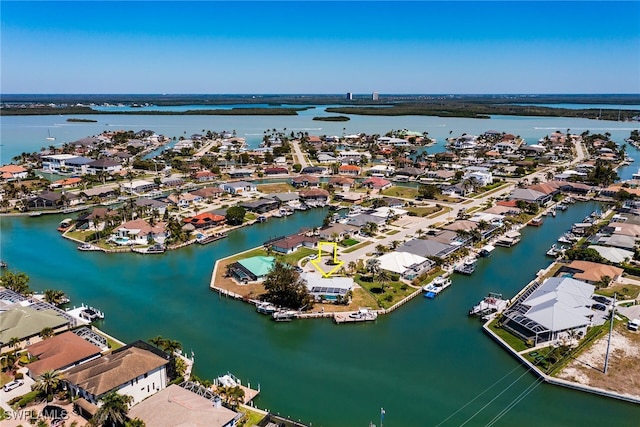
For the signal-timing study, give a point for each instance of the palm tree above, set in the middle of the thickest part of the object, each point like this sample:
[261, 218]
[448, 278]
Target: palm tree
[55, 297]
[46, 332]
[235, 396]
[17, 282]
[157, 341]
[136, 422]
[113, 410]
[352, 267]
[171, 346]
[14, 342]
[373, 265]
[48, 382]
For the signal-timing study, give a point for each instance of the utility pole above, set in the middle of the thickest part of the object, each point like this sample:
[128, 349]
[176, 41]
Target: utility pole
[606, 357]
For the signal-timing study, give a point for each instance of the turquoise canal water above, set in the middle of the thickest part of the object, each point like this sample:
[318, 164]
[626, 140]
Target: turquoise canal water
[424, 363]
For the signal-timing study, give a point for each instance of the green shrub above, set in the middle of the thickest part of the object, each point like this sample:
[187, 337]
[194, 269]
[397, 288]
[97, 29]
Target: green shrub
[19, 376]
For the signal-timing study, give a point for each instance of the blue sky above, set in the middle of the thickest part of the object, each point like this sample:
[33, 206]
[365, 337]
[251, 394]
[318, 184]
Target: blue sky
[320, 47]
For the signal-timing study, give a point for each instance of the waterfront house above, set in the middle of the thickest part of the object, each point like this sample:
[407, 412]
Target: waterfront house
[617, 240]
[240, 173]
[238, 187]
[60, 352]
[556, 309]
[27, 322]
[261, 205]
[530, 196]
[342, 182]
[381, 170]
[376, 183]
[326, 158]
[351, 170]
[409, 171]
[276, 171]
[94, 219]
[305, 181]
[104, 191]
[47, 200]
[591, 272]
[427, 248]
[352, 157]
[205, 220]
[171, 181]
[327, 288]
[393, 202]
[12, 172]
[57, 163]
[252, 269]
[314, 196]
[177, 406]
[319, 170]
[140, 232]
[481, 175]
[204, 176]
[406, 264]
[137, 372]
[283, 198]
[440, 175]
[294, 242]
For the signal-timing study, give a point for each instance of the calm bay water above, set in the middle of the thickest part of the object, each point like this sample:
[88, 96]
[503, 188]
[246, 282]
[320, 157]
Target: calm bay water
[423, 363]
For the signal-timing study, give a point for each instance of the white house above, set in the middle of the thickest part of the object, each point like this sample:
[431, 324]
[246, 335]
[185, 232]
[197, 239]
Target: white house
[129, 370]
[238, 187]
[57, 162]
[328, 288]
[482, 175]
[406, 264]
[352, 156]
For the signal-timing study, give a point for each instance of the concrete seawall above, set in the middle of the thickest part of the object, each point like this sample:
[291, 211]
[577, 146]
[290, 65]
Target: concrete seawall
[557, 381]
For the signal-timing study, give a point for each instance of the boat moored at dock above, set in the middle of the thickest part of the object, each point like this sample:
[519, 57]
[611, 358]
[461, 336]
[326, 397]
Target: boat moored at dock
[438, 285]
[362, 315]
[468, 266]
[491, 304]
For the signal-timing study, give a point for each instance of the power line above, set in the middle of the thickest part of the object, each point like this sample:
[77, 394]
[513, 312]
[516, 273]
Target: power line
[475, 398]
[514, 402]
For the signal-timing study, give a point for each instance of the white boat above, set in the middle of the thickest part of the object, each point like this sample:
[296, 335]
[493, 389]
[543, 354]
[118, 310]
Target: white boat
[265, 307]
[636, 175]
[486, 250]
[554, 251]
[88, 247]
[364, 314]
[468, 266]
[438, 285]
[490, 304]
[561, 206]
[49, 137]
[567, 237]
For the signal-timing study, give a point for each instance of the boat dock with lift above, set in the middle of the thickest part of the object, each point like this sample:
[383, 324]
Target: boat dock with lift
[438, 285]
[362, 315]
[491, 304]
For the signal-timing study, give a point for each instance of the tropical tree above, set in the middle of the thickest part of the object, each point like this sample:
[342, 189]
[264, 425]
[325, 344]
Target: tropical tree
[48, 383]
[113, 411]
[17, 282]
[285, 288]
[373, 266]
[171, 346]
[157, 341]
[235, 396]
[235, 215]
[136, 422]
[46, 332]
[55, 297]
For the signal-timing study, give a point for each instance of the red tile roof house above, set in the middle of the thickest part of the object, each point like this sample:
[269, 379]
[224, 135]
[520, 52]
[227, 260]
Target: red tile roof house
[66, 183]
[314, 196]
[204, 176]
[276, 171]
[349, 170]
[11, 172]
[376, 183]
[60, 352]
[205, 220]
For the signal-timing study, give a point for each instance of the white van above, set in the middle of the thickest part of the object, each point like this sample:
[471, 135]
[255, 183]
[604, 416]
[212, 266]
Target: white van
[633, 324]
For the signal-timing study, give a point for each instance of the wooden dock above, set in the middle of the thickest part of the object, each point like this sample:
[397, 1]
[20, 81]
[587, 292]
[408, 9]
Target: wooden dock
[354, 317]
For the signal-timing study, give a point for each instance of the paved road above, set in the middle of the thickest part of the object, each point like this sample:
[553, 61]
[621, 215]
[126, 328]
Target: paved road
[302, 158]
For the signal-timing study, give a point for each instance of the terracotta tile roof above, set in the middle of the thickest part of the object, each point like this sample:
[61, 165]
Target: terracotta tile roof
[204, 218]
[593, 271]
[350, 168]
[113, 370]
[12, 169]
[60, 352]
[314, 192]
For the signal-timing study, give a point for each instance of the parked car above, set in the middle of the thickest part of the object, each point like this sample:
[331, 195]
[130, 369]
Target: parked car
[13, 384]
[600, 307]
[601, 299]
